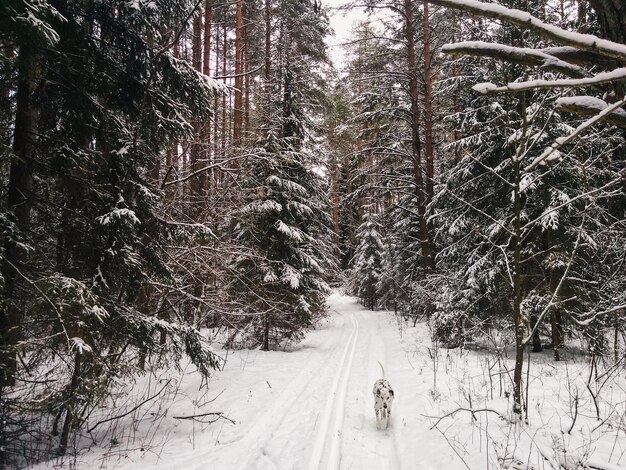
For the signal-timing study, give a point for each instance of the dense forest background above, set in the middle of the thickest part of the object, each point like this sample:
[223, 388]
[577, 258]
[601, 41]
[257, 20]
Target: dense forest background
[169, 166]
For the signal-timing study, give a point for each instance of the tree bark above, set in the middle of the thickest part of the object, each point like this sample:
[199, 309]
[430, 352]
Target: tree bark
[266, 332]
[216, 146]
[518, 320]
[238, 111]
[428, 108]
[225, 123]
[206, 70]
[612, 18]
[536, 337]
[517, 296]
[245, 70]
[196, 144]
[268, 46]
[334, 191]
[19, 203]
[420, 193]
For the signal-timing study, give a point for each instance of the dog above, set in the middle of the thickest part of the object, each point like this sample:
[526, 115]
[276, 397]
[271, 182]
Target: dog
[383, 398]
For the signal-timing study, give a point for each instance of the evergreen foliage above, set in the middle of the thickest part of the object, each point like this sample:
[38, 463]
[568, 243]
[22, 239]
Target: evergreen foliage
[284, 229]
[108, 102]
[368, 262]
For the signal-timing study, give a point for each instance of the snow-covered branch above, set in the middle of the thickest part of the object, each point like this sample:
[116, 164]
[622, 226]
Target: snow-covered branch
[586, 42]
[617, 75]
[520, 55]
[549, 153]
[590, 106]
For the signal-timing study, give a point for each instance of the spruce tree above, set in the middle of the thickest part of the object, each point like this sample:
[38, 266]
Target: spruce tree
[285, 231]
[368, 262]
[115, 99]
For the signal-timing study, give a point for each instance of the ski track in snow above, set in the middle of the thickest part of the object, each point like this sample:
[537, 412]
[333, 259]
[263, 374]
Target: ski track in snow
[326, 453]
[326, 412]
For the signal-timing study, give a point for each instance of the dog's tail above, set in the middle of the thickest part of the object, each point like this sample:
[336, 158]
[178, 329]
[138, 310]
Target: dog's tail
[381, 368]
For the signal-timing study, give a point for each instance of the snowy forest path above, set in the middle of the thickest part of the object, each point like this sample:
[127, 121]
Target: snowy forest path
[320, 416]
[311, 406]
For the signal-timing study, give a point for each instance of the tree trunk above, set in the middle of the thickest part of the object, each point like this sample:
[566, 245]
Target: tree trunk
[351, 222]
[238, 111]
[517, 297]
[5, 105]
[69, 406]
[428, 108]
[196, 144]
[536, 338]
[267, 58]
[246, 77]
[225, 123]
[206, 70]
[420, 193]
[612, 18]
[557, 335]
[266, 333]
[216, 148]
[518, 320]
[19, 203]
[334, 192]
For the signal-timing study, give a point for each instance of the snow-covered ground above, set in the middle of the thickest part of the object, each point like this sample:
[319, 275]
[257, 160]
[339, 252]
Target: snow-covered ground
[312, 408]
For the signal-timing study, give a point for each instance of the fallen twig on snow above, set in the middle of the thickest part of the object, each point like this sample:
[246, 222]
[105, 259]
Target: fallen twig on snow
[218, 414]
[470, 410]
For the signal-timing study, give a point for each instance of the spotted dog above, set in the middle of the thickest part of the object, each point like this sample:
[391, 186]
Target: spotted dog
[383, 397]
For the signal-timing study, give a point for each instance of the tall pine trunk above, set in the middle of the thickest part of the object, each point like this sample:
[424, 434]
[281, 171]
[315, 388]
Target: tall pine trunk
[238, 111]
[267, 56]
[420, 189]
[19, 203]
[195, 165]
[429, 152]
[206, 70]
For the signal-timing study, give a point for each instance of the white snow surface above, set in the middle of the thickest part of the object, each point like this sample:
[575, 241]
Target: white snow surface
[311, 407]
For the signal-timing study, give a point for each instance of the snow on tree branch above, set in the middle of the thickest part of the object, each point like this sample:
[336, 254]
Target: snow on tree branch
[590, 106]
[521, 55]
[616, 75]
[525, 20]
[552, 152]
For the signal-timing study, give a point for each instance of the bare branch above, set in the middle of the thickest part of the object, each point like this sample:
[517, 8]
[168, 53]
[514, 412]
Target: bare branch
[131, 410]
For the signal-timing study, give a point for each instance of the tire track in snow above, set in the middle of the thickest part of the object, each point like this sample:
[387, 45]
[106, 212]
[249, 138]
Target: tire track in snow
[327, 448]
